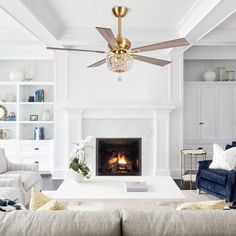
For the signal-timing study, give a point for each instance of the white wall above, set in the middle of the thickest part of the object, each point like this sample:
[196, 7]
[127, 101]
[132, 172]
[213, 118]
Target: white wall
[145, 86]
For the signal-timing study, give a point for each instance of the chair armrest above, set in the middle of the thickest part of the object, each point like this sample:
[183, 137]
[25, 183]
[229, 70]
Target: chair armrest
[203, 165]
[11, 180]
[26, 167]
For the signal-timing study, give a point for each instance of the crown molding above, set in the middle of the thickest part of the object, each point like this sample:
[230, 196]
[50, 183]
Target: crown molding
[199, 10]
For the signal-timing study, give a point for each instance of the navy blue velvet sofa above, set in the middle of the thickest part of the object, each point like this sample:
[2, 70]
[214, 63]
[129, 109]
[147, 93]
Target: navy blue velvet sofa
[220, 183]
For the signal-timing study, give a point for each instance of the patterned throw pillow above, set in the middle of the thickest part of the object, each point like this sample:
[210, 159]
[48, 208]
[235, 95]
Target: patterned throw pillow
[40, 201]
[7, 205]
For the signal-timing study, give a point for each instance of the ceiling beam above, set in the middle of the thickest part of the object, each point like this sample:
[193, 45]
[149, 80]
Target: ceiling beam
[36, 18]
[222, 10]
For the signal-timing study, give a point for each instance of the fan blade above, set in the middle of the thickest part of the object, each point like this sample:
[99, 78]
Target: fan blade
[99, 63]
[151, 60]
[108, 35]
[75, 49]
[168, 44]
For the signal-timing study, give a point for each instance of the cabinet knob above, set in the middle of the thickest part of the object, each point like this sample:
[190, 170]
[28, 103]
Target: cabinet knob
[200, 123]
[36, 149]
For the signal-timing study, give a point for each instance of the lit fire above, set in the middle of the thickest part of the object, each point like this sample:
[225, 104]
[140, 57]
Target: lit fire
[121, 159]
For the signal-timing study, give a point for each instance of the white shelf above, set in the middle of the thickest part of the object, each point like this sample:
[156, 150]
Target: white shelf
[27, 83]
[8, 103]
[211, 83]
[22, 130]
[7, 122]
[36, 122]
[36, 103]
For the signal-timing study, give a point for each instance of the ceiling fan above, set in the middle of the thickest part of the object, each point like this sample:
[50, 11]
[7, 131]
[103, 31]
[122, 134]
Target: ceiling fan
[120, 56]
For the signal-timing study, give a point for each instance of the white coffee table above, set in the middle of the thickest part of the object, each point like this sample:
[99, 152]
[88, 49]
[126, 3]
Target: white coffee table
[113, 189]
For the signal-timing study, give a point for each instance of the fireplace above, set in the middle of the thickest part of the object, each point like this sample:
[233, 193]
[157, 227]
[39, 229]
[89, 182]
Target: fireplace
[118, 156]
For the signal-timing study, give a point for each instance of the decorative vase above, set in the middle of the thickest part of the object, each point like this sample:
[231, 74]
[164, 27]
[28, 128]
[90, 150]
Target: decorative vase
[75, 175]
[222, 73]
[46, 115]
[209, 75]
[16, 76]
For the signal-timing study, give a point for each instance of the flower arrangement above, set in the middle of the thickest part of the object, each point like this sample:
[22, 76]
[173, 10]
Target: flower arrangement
[78, 158]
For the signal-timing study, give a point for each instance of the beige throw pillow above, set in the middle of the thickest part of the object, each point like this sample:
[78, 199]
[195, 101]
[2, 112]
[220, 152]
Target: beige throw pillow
[52, 205]
[40, 201]
[206, 205]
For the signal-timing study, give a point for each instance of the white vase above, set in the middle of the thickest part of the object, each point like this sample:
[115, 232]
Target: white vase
[75, 176]
[16, 76]
[46, 115]
[209, 75]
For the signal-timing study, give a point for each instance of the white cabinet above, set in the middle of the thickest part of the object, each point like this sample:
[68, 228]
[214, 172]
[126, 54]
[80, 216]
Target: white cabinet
[192, 111]
[227, 111]
[200, 112]
[208, 120]
[209, 113]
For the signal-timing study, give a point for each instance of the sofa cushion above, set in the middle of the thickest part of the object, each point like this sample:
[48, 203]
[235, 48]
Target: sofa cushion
[178, 223]
[29, 178]
[215, 175]
[3, 161]
[61, 223]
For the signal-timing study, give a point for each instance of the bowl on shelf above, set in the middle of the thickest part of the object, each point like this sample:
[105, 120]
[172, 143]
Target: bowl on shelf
[16, 76]
[209, 75]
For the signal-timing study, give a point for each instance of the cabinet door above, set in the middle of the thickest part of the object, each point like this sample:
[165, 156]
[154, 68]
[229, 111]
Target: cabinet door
[226, 112]
[192, 111]
[209, 112]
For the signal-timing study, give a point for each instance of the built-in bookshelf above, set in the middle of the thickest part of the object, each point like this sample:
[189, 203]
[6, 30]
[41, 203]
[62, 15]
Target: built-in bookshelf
[19, 144]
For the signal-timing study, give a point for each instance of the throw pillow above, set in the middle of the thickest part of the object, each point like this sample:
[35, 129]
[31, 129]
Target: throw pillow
[38, 199]
[7, 205]
[224, 160]
[52, 205]
[206, 205]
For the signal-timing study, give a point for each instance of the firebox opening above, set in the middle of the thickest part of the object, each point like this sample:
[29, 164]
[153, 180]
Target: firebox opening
[118, 156]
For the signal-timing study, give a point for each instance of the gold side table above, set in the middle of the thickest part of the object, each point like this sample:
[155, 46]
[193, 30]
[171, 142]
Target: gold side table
[190, 174]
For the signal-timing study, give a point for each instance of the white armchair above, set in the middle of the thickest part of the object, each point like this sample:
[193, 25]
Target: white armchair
[22, 176]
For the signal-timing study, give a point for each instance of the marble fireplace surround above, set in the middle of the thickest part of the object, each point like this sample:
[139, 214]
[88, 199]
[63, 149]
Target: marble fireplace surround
[149, 124]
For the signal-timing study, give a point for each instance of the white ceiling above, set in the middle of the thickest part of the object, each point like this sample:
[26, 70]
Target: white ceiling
[72, 22]
[142, 13]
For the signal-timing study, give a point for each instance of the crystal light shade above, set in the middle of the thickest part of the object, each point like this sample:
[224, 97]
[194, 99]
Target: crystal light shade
[119, 62]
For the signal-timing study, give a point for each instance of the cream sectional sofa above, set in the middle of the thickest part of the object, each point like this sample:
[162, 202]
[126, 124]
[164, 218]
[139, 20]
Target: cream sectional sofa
[115, 223]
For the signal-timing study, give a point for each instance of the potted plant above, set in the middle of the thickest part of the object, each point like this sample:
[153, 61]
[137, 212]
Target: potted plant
[78, 165]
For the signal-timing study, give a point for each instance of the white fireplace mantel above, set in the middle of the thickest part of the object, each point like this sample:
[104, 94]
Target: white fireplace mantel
[158, 116]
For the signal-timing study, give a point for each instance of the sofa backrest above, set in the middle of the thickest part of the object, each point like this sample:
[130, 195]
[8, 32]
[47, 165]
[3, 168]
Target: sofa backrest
[3, 161]
[179, 223]
[60, 223]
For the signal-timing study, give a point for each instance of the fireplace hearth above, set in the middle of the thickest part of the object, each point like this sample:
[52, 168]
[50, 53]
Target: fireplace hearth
[118, 156]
